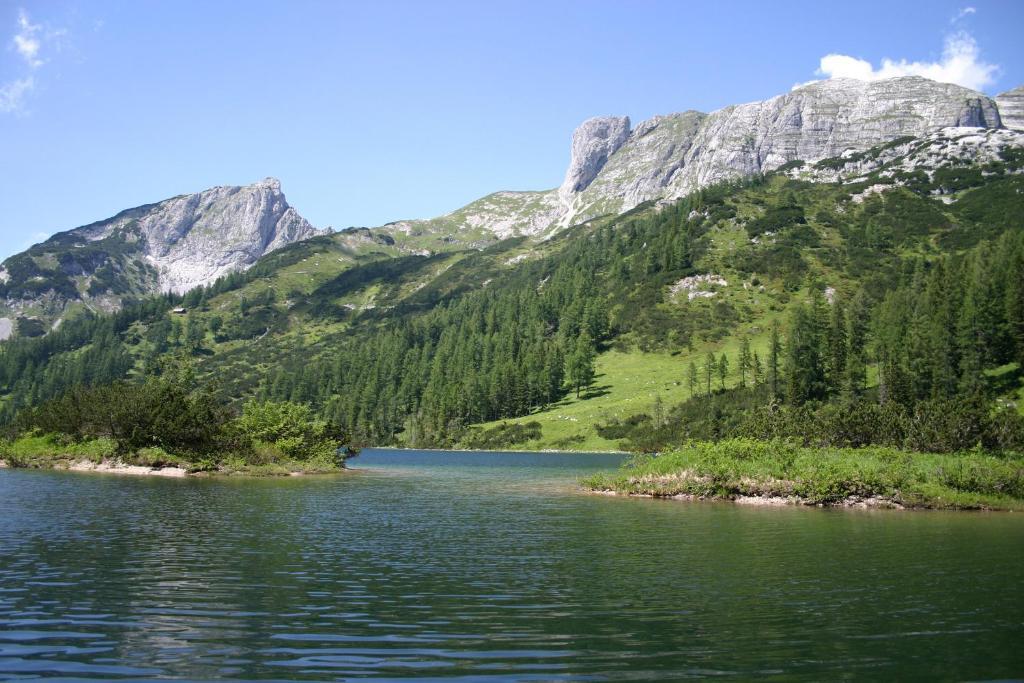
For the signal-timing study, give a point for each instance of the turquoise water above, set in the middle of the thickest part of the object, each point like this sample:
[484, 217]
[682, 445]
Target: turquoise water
[489, 567]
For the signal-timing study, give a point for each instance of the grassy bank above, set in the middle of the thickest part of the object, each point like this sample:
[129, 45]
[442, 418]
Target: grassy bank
[742, 469]
[53, 452]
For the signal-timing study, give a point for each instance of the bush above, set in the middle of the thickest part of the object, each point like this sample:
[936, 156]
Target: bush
[504, 435]
[288, 430]
[746, 467]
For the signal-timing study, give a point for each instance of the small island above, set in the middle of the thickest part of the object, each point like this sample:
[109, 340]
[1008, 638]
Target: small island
[781, 472]
[165, 426]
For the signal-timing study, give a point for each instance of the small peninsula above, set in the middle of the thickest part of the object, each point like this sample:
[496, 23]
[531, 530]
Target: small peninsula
[779, 473]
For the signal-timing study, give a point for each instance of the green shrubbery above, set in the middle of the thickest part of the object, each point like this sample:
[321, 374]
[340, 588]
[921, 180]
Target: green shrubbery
[288, 431]
[746, 467]
[38, 449]
[163, 422]
[502, 436]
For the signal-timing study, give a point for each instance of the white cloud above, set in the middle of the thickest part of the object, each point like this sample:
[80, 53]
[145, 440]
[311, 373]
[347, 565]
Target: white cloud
[26, 40]
[30, 41]
[961, 63]
[963, 13]
[12, 95]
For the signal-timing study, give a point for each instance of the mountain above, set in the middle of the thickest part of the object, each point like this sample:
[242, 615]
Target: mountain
[918, 241]
[615, 167]
[171, 246]
[1011, 108]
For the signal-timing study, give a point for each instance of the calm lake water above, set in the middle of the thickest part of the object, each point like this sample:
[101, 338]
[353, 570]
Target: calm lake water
[489, 567]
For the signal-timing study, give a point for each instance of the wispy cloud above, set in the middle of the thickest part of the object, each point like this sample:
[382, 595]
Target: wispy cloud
[961, 63]
[963, 14]
[26, 40]
[30, 41]
[12, 95]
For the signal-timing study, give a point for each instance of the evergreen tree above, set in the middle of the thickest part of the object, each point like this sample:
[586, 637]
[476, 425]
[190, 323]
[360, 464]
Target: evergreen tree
[746, 360]
[855, 375]
[710, 367]
[805, 379]
[691, 378]
[837, 347]
[774, 359]
[723, 370]
[581, 363]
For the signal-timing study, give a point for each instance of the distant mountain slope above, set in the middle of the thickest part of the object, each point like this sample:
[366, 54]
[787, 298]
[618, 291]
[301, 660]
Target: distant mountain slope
[398, 344]
[169, 246]
[1011, 108]
[615, 167]
[191, 240]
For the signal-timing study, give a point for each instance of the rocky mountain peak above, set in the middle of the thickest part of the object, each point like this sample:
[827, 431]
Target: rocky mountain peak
[1011, 108]
[593, 142]
[170, 246]
[678, 154]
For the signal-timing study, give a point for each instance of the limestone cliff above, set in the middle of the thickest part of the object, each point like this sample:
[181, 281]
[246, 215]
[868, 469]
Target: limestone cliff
[170, 246]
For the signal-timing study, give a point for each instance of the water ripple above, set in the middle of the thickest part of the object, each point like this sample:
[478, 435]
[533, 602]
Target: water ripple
[453, 566]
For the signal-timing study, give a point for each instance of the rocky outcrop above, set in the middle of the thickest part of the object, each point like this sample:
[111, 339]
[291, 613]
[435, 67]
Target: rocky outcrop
[171, 246]
[668, 157]
[1011, 108]
[944, 148]
[613, 169]
[194, 239]
[593, 143]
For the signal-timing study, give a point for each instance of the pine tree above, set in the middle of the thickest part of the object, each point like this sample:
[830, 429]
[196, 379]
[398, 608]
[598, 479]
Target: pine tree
[746, 361]
[692, 379]
[709, 371]
[855, 373]
[774, 353]
[804, 371]
[836, 348]
[723, 370]
[581, 363]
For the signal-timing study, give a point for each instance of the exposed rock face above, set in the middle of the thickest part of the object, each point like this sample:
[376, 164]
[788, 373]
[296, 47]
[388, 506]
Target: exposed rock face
[613, 168]
[944, 148]
[194, 239]
[593, 143]
[814, 122]
[643, 168]
[170, 246]
[1011, 108]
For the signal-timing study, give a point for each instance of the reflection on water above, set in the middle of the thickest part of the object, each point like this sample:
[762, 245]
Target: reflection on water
[487, 566]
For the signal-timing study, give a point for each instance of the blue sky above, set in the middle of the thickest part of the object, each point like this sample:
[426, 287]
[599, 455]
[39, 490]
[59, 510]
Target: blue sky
[376, 111]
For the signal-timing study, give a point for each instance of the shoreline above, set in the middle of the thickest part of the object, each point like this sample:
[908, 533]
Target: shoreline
[109, 466]
[852, 502]
[549, 451]
[752, 472]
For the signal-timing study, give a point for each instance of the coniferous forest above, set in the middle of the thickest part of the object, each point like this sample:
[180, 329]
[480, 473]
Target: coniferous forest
[896, 320]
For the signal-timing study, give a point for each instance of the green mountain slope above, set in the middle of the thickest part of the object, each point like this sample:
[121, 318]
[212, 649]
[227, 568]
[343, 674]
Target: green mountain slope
[457, 346]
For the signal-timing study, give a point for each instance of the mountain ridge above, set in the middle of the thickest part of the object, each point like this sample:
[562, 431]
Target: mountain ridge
[172, 245]
[614, 167]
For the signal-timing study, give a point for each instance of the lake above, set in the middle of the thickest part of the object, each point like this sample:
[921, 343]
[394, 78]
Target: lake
[481, 566]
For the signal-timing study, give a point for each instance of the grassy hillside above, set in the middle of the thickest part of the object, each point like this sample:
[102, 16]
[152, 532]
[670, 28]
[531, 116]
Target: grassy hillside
[443, 344]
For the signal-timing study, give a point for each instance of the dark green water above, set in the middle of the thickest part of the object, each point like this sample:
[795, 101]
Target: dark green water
[484, 566]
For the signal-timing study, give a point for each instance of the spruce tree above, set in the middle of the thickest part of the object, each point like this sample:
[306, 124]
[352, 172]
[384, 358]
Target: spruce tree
[709, 371]
[746, 361]
[581, 363]
[774, 359]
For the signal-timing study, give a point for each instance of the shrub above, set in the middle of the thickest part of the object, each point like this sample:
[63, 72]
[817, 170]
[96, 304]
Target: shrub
[504, 435]
[289, 430]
